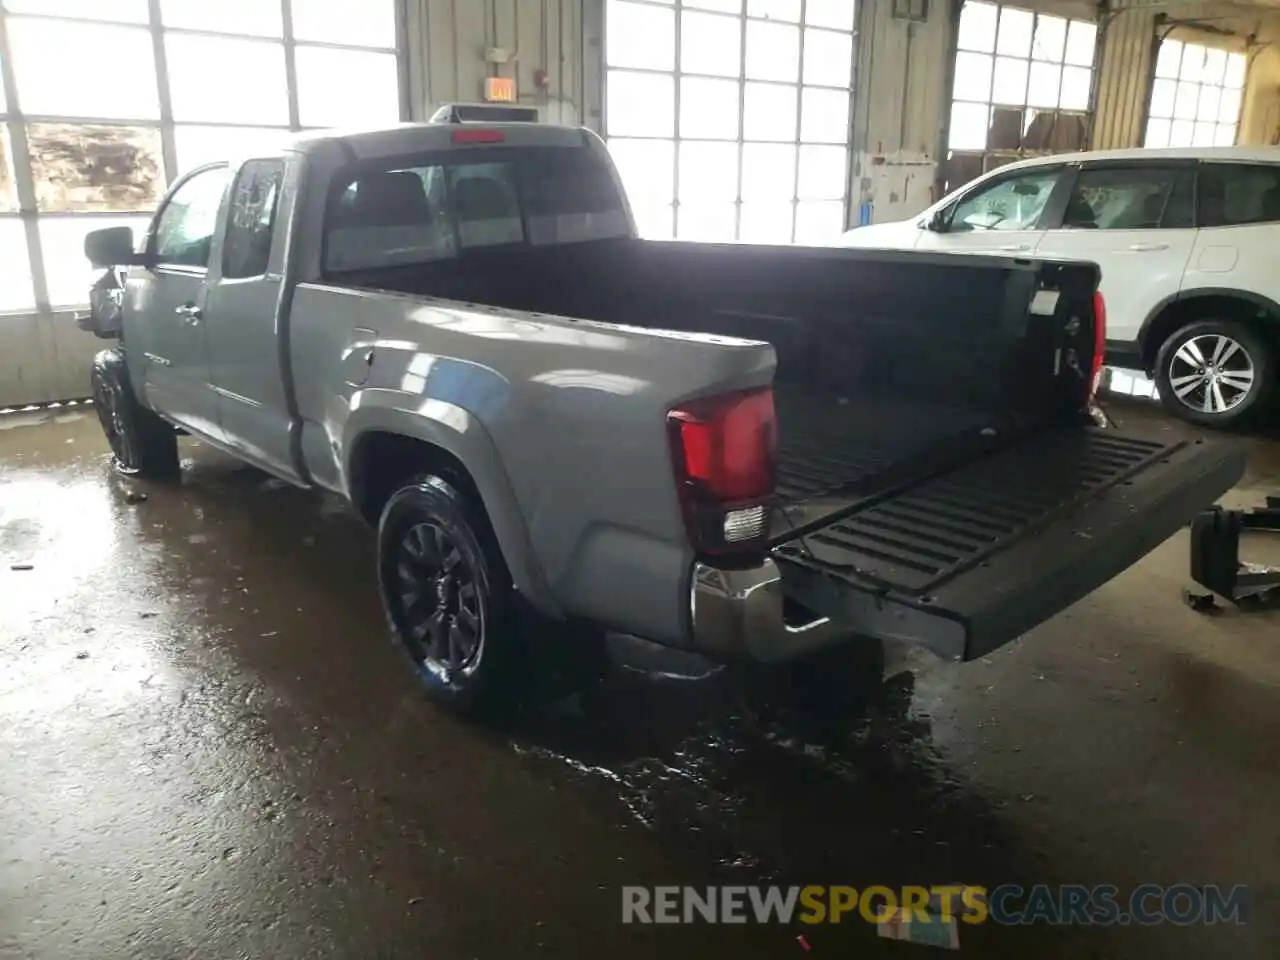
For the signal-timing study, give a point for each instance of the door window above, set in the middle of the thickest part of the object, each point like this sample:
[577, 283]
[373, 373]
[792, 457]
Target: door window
[184, 232]
[1014, 203]
[1121, 198]
[247, 246]
[1233, 194]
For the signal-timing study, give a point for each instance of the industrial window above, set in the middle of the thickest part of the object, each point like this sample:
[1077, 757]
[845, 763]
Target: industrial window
[1195, 99]
[729, 119]
[1021, 88]
[94, 144]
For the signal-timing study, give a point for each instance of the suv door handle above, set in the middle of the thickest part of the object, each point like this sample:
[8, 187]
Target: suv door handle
[1148, 247]
[190, 312]
[1015, 247]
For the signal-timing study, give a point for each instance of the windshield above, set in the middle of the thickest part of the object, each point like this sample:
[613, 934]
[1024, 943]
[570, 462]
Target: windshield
[437, 206]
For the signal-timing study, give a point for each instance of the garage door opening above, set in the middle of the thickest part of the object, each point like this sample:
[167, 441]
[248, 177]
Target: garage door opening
[1021, 89]
[729, 119]
[1196, 96]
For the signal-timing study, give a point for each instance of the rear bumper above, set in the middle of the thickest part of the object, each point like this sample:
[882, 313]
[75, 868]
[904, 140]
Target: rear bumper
[740, 614]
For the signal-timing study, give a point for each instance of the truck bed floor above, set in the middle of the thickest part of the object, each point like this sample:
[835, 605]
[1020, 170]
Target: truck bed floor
[829, 443]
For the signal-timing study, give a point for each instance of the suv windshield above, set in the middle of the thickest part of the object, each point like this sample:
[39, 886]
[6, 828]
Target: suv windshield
[435, 206]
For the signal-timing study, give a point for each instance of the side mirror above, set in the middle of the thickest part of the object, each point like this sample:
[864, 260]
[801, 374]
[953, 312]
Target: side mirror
[937, 223]
[110, 247]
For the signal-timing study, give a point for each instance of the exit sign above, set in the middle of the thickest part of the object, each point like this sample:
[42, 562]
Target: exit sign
[500, 89]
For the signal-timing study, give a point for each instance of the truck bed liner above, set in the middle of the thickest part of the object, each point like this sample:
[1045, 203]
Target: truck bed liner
[917, 538]
[970, 558]
[824, 447]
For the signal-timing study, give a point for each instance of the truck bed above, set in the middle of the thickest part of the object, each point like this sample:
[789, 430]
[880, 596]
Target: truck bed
[938, 480]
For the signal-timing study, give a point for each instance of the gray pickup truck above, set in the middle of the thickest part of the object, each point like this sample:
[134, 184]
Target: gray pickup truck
[752, 452]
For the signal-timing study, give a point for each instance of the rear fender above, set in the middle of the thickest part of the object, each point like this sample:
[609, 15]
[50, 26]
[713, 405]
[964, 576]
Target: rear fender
[455, 430]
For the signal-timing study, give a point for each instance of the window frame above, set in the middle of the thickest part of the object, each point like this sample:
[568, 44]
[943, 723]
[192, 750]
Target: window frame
[1068, 184]
[1055, 204]
[153, 261]
[244, 168]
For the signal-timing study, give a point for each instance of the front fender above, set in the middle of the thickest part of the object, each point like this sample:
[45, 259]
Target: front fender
[457, 431]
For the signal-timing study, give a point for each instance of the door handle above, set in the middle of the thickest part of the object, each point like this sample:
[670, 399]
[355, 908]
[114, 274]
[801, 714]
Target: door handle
[190, 312]
[1148, 247]
[1015, 247]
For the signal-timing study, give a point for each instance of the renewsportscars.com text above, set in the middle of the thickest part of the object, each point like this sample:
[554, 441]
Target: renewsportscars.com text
[1068, 904]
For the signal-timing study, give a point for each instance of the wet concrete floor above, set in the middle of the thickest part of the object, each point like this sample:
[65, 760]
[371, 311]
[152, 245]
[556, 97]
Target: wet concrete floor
[209, 749]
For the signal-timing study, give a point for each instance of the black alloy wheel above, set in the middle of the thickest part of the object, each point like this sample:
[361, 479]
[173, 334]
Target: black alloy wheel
[448, 596]
[438, 599]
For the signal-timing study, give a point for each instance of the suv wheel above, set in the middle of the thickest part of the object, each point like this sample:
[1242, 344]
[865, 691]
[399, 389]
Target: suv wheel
[447, 595]
[1215, 373]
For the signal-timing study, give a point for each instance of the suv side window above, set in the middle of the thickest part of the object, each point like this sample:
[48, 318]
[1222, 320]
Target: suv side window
[1232, 194]
[1014, 203]
[247, 245]
[184, 232]
[1120, 198]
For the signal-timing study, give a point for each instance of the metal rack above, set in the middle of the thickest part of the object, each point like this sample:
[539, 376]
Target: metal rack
[1216, 563]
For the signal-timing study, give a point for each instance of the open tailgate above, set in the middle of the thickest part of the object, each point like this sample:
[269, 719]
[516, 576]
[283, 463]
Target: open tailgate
[967, 560]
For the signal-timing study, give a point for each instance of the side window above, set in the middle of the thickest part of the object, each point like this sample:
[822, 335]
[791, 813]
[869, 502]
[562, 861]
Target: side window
[247, 245]
[1232, 194]
[1014, 203]
[485, 204]
[184, 232]
[1120, 198]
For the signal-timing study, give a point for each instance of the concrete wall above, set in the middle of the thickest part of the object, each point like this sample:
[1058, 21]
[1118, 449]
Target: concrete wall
[448, 39]
[903, 78]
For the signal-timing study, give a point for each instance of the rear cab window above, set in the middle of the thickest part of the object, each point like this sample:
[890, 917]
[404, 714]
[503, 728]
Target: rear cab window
[1235, 194]
[440, 205]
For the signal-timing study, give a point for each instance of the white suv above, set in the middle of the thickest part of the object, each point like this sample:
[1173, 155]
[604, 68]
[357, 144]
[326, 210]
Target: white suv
[1189, 245]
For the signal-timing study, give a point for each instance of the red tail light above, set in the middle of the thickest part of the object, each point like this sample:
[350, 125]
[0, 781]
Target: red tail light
[473, 135]
[1099, 341]
[724, 451]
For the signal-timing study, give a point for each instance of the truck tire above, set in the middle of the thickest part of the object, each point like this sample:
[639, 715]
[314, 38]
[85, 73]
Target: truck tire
[448, 597]
[142, 444]
[1215, 373]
